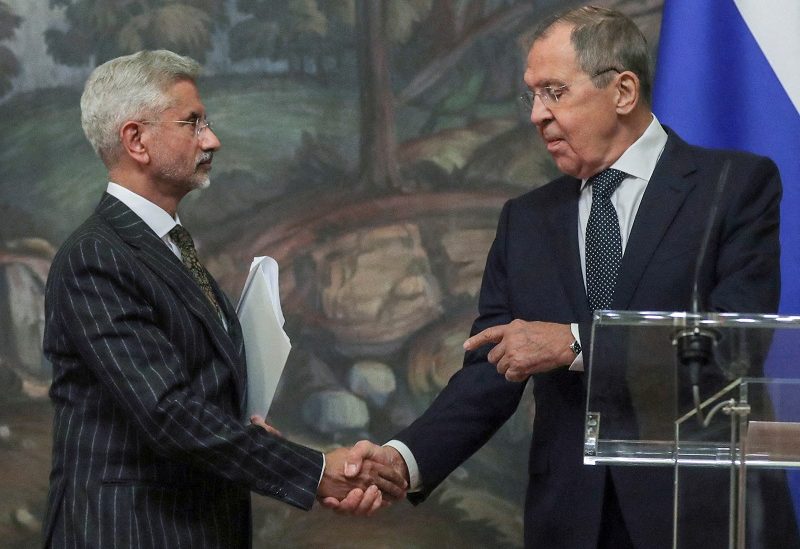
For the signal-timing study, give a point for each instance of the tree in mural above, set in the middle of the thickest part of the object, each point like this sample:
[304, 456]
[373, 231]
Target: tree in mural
[300, 32]
[319, 31]
[433, 37]
[9, 65]
[378, 161]
[99, 30]
[454, 29]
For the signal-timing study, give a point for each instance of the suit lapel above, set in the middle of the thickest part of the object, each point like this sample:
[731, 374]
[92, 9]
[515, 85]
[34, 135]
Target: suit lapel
[562, 223]
[157, 256]
[665, 193]
[236, 338]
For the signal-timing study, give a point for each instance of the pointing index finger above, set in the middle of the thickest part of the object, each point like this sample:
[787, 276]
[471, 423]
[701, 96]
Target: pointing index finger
[493, 334]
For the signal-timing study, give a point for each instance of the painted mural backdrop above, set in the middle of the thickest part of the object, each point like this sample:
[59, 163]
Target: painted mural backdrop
[368, 146]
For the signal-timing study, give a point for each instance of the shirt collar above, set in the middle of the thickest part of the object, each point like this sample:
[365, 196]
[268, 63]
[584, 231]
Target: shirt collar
[154, 217]
[640, 159]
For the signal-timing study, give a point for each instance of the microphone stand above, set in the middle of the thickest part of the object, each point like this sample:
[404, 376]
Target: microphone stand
[694, 348]
[695, 344]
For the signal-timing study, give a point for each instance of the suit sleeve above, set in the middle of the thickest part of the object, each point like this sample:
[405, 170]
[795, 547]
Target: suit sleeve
[118, 338]
[477, 400]
[747, 273]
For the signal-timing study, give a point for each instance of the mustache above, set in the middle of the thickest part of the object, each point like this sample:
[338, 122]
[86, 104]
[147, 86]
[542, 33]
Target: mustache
[205, 157]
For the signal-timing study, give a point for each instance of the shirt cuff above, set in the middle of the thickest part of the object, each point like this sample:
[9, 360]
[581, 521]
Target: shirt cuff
[321, 473]
[577, 364]
[414, 484]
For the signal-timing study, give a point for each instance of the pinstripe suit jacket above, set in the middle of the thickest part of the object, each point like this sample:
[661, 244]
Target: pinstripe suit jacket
[149, 449]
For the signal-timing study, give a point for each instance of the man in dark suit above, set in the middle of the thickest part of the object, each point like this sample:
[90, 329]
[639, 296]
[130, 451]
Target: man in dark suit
[621, 230]
[149, 380]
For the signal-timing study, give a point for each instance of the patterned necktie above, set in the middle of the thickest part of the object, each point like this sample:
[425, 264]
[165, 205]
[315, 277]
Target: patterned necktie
[183, 239]
[603, 240]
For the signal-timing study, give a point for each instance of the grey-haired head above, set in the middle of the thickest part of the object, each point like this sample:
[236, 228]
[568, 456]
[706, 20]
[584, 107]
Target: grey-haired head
[131, 87]
[605, 38]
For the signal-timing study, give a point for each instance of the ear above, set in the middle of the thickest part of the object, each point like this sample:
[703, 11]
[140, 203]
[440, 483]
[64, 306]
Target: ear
[132, 143]
[628, 92]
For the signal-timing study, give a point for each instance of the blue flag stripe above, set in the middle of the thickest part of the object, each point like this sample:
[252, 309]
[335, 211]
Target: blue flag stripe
[715, 86]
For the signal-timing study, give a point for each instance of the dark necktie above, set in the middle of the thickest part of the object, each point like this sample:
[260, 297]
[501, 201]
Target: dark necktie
[181, 237]
[603, 240]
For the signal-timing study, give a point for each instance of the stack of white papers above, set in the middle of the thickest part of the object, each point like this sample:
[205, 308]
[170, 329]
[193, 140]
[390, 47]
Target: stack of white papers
[266, 344]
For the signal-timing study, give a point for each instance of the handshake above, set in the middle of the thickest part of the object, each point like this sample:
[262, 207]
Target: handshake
[359, 480]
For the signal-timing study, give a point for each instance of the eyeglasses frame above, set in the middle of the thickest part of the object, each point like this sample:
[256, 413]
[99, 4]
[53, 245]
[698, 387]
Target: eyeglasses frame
[551, 94]
[199, 124]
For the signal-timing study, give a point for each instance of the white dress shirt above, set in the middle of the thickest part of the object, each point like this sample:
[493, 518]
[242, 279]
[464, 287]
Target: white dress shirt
[638, 161]
[153, 216]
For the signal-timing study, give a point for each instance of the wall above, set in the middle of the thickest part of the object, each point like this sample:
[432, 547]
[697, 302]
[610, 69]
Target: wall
[379, 277]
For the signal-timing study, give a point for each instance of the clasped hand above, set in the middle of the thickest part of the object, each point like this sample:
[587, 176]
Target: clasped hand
[359, 480]
[524, 348]
[364, 464]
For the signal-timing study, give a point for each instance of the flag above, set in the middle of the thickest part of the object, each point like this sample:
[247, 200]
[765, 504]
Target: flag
[728, 76]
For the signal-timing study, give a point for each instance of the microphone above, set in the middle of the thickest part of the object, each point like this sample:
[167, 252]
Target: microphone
[695, 344]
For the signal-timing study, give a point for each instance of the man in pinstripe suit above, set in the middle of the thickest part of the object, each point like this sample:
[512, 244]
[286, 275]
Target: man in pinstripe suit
[149, 379]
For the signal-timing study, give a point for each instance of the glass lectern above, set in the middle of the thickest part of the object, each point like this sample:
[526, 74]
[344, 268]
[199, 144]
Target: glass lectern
[698, 393]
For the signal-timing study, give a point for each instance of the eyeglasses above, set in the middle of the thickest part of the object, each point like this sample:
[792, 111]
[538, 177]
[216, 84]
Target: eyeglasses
[552, 94]
[199, 124]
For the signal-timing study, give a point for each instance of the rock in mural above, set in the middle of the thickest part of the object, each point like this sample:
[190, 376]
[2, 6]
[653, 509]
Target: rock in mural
[466, 251]
[438, 354]
[376, 284]
[373, 381]
[331, 411]
[23, 270]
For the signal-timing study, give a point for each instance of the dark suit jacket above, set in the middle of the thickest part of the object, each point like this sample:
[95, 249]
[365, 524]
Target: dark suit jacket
[149, 388]
[533, 272]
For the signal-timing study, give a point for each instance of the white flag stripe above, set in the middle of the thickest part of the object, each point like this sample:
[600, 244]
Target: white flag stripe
[776, 28]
